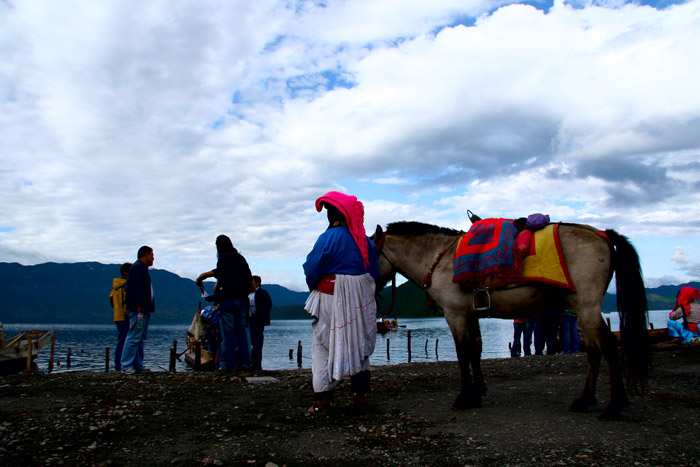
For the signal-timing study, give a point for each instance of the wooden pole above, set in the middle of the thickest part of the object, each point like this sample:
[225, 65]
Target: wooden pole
[106, 359]
[299, 355]
[197, 356]
[388, 356]
[436, 347]
[409, 344]
[173, 356]
[68, 358]
[426, 346]
[29, 355]
[291, 354]
[53, 348]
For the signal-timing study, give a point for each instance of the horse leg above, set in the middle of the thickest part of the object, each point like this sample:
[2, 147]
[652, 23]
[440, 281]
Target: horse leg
[587, 397]
[475, 355]
[618, 397]
[469, 397]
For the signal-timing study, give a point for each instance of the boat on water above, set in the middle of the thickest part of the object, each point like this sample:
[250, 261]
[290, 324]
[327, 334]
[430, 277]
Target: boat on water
[384, 326]
[201, 336]
[15, 350]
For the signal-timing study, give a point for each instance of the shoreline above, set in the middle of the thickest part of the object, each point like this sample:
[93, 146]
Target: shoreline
[185, 418]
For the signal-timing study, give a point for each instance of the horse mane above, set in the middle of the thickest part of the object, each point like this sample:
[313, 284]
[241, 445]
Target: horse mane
[410, 228]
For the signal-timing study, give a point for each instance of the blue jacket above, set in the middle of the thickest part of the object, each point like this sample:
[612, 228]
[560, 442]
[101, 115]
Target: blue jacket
[335, 252]
[139, 292]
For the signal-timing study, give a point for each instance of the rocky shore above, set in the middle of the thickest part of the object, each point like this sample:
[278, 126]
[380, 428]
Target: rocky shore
[223, 419]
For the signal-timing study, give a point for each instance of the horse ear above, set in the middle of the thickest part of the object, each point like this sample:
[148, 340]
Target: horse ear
[379, 232]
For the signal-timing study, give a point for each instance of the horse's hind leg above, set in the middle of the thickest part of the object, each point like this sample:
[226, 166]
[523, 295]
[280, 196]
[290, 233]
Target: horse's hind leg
[587, 397]
[618, 397]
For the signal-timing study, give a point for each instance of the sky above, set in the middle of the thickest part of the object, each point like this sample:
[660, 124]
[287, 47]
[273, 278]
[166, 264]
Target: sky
[128, 123]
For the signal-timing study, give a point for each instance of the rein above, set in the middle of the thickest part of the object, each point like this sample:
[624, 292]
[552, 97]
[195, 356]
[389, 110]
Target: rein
[380, 250]
[428, 279]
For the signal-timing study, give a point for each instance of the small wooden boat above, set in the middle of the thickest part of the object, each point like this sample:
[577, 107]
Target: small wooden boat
[14, 351]
[384, 326]
[196, 354]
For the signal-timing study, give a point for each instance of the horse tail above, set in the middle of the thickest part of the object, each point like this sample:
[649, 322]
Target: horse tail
[633, 312]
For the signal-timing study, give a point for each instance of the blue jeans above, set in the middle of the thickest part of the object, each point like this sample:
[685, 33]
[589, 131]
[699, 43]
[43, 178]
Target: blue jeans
[233, 323]
[132, 355]
[518, 330]
[570, 342]
[529, 331]
[122, 330]
[257, 337]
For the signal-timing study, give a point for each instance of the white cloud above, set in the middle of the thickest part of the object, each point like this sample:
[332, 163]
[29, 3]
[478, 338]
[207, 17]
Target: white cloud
[129, 123]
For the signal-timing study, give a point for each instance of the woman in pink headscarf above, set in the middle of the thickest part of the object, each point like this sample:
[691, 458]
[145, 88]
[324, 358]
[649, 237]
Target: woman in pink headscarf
[341, 271]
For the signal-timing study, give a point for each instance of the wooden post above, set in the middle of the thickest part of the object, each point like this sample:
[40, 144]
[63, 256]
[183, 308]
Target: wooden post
[388, 357]
[106, 359]
[173, 356]
[426, 346]
[29, 355]
[53, 348]
[436, 347]
[291, 354]
[299, 355]
[197, 356]
[68, 358]
[409, 344]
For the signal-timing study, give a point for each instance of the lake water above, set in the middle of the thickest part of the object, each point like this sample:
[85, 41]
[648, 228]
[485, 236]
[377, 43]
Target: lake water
[430, 341]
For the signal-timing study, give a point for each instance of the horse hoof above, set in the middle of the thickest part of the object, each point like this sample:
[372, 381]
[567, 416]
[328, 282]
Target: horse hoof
[609, 413]
[465, 404]
[581, 404]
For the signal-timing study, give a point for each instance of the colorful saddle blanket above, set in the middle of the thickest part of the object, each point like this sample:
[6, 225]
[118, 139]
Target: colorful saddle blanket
[543, 263]
[486, 252]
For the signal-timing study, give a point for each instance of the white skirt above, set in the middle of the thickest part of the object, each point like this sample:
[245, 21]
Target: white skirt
[345, 330]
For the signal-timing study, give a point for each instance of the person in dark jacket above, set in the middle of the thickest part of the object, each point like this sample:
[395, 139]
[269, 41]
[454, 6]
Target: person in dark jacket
[140, 305]
[233, 278]
[260, 306]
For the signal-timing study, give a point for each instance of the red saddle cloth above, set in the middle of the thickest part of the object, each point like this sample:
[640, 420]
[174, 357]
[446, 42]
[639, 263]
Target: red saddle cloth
[486, 252]
[478, 262]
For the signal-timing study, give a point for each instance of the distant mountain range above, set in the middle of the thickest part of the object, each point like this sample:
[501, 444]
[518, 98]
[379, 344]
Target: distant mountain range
[79, 293]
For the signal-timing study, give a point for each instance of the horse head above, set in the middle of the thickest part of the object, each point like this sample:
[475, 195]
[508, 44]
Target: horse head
[386, 268]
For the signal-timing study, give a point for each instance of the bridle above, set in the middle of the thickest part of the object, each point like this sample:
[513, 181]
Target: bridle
[380, 251]
[427, 280]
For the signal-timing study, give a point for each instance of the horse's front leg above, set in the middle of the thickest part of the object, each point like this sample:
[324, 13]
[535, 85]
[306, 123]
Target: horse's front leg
[475, 354]
[466, 344]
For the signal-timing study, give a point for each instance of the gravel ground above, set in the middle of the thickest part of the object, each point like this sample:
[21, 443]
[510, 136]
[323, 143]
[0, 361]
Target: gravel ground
[222, 419]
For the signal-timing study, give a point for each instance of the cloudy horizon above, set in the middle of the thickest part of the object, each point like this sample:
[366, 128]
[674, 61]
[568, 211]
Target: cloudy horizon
[126, 123]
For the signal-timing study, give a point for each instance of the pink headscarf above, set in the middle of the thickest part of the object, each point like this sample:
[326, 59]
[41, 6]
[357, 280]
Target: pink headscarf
[354, 213]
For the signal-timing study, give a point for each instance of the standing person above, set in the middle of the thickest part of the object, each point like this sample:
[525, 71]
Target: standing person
[117, 298]
[341, 271]
[530, 325]
[570, 340]
[685, 316]
[260, 306]
[518, 331]
[232, 285]
[140, 304]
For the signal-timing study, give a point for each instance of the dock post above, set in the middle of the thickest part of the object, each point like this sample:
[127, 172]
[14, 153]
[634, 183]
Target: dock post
[53, 348]
[299, 355]
[426, 347]
[68, 358]
[388, 357]
[291, 354]
[106, 359]
[436, 347]
[409, 345]
[29, 355]
[197, 356]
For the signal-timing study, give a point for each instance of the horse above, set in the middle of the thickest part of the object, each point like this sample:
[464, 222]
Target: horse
[415, 249]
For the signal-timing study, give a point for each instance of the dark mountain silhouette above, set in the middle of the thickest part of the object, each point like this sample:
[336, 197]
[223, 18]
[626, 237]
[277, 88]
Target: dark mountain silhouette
[78, 293]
